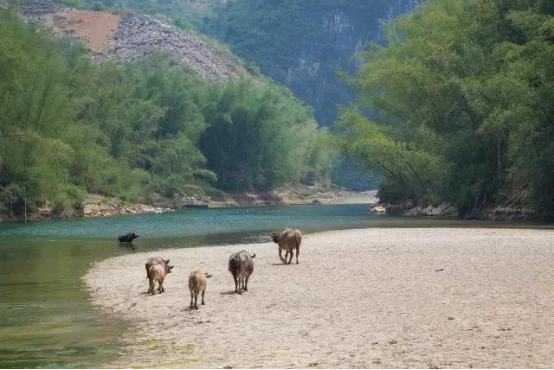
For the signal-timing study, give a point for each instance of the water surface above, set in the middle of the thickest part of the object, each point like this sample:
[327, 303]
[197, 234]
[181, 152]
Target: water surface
[46, 319]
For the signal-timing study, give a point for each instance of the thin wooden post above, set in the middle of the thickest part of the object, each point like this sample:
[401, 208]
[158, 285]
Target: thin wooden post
[11, 205]
[25, 201]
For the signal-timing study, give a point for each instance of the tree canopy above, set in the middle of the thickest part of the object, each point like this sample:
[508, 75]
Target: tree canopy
[139, 131]
[461, 105]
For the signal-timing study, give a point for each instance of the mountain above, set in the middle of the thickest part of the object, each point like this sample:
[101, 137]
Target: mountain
[302, 44]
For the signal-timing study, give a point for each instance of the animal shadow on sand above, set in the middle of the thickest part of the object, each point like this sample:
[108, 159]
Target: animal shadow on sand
[148, 294]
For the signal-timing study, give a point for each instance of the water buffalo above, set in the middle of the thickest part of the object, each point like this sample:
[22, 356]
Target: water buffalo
[197, 284]
[127, 238]
[156, 270]
[289, 240]
[241, 266]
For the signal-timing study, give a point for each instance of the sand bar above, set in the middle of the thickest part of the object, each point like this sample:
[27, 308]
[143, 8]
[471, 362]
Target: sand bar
[358, 298]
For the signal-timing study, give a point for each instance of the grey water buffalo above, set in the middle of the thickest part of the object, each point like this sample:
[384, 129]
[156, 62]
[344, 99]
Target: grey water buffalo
[157, 269]
[289, 240]
[197, 284]
[241, 266]
[127, 238]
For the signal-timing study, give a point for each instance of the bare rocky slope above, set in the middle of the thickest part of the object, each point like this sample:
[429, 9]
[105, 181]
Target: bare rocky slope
[139, 35]
[135, 36]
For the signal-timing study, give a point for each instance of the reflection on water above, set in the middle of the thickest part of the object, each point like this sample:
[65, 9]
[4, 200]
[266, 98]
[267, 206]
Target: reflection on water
[45, 317]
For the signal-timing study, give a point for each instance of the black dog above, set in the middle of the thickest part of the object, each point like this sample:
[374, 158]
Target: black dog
[127, 238]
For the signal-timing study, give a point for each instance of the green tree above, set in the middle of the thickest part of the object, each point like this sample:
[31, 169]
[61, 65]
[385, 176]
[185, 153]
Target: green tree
[139, 130]
[462, 96]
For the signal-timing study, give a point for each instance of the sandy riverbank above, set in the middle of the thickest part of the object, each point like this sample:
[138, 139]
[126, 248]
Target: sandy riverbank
[359, 298]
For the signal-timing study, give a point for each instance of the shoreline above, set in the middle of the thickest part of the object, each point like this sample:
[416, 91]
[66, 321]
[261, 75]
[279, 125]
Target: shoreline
[358, 298]
[95, 205]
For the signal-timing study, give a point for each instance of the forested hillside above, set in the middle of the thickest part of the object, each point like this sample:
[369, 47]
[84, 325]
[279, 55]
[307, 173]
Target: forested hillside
[141, 130]
[300, 44]
[303, 44]
[464, 97]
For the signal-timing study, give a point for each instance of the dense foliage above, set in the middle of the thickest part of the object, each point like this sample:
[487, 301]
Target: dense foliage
[138, 131]
[300, 44]
[464, 100]
[261, 137]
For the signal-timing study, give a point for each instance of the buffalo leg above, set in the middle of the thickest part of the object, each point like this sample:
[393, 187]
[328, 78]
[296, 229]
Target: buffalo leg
[151, 288]
[286, 257]
[236, 284]
[280, 256]
[191, 298]
[246, 284]
[203, 301]
[297, 253]
[291, 254]
[196, 299]
[161, 286]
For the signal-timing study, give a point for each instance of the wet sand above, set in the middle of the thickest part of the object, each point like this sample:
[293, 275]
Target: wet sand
[359, 298]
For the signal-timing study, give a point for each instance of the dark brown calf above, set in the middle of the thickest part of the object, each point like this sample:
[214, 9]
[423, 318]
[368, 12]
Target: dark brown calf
[241, 266]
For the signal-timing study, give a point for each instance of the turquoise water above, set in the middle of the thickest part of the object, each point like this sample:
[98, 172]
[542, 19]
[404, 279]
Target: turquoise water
[196, 222]
[46, 319]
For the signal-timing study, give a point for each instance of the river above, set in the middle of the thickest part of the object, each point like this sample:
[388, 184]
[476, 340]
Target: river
[46, 319]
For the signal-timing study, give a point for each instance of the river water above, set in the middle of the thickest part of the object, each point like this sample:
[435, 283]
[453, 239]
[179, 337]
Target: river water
[46, 319]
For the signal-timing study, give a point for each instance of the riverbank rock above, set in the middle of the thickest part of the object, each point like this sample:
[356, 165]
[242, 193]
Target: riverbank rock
[379, 209]
[443, 210]
[42, 211]
[98, 205]
[284, 195]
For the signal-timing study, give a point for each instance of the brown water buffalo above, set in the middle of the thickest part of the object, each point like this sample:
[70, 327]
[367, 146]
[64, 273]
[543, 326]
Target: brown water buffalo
[156, 270]
[197, 284]
[241, 266]
[289, 240]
